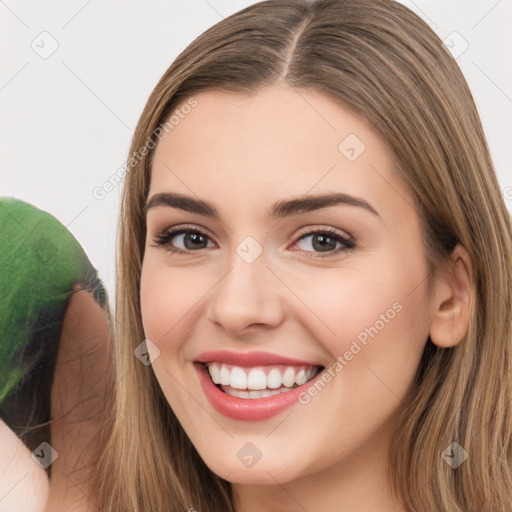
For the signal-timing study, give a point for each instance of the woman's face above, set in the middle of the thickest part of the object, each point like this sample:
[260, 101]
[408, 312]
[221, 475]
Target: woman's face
[268, 285]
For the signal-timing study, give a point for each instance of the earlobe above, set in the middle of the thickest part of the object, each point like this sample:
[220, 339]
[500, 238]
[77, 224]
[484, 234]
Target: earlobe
[452, 301]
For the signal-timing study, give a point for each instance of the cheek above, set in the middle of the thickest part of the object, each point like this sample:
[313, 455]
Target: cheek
[345, 301]
[380, 306]
[166, 297]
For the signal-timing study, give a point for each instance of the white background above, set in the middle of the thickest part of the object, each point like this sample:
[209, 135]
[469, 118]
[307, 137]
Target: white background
[67, 120]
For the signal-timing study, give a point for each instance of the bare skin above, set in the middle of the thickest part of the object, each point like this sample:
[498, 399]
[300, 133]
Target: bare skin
[24, 486]
[77, 403]
[242, 154]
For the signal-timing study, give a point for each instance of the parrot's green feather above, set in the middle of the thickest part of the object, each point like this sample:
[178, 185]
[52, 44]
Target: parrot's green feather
[39, 260]
[11, 380]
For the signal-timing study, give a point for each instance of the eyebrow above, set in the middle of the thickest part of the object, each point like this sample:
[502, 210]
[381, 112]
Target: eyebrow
[280, 209]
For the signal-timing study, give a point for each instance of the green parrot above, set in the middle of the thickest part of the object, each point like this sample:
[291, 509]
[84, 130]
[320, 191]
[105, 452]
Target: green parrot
[40, 261]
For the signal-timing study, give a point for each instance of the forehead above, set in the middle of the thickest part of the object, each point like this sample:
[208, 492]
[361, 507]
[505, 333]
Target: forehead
[246, 151]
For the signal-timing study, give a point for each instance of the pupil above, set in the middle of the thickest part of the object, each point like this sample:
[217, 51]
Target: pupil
[323, 246]
[196, 239]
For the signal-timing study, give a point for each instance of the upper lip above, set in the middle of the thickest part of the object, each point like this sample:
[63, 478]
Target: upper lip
[254, 358]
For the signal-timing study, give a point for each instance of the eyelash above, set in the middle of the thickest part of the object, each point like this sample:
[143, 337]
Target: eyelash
[163, 239]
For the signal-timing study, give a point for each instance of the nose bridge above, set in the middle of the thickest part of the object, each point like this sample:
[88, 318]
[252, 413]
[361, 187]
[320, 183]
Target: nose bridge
[246, 295]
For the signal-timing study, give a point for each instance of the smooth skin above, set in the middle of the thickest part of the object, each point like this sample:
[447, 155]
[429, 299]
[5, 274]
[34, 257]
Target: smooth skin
[24, 486]
[242, 154]
[77, 402]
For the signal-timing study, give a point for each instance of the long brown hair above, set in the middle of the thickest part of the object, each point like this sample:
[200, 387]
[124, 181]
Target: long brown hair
[382, 61]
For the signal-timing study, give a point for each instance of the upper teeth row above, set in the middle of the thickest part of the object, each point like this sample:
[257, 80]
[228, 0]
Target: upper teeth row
[260, 377]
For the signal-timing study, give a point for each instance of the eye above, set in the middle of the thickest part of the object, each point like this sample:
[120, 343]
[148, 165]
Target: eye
[324, 240]
[191, 240]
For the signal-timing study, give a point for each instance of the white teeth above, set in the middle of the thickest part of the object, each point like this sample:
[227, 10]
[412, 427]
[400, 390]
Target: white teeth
[225, 376]
[289, 377]
[238, 378]
[311, 373]
[274, 380]
[253, 394]
[301, 378]
[265, 380]
[257, 379]
[215, 373]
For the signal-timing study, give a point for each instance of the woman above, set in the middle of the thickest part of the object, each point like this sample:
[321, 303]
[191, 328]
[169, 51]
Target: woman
[314, 276]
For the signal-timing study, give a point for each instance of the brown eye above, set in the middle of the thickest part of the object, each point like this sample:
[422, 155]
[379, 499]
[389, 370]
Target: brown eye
[190, 240]
[325, 241]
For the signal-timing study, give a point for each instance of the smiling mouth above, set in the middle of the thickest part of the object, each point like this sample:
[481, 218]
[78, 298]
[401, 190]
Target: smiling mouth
[259, 381]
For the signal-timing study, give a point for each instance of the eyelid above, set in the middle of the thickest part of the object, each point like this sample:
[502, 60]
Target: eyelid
[183, 227]
[309, 230]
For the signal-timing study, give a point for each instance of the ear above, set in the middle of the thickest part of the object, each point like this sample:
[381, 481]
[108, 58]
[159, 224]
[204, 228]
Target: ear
[452, 300]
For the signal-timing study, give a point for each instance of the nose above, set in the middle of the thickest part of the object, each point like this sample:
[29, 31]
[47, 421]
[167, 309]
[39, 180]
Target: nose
[248, 297]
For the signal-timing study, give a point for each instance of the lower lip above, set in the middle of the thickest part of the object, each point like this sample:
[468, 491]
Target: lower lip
[248, 409]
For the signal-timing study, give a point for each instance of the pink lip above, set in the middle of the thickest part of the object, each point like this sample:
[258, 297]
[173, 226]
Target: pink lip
[249, 358]
[248, 409]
